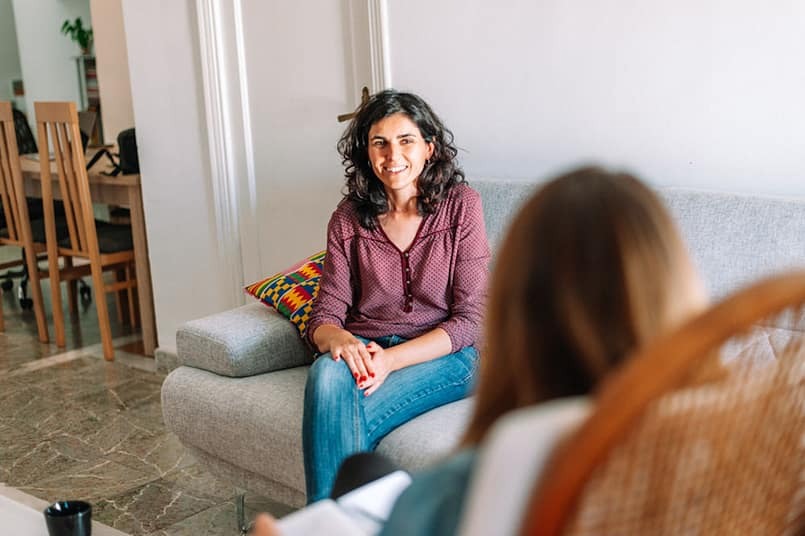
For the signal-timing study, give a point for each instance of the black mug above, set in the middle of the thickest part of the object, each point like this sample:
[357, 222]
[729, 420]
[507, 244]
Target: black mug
[69, 518]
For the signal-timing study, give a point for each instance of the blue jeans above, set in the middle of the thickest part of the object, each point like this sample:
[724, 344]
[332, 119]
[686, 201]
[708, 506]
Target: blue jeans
[339, 420]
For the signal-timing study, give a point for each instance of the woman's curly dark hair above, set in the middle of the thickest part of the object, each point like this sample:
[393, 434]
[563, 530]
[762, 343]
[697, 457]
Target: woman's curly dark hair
[363, 187]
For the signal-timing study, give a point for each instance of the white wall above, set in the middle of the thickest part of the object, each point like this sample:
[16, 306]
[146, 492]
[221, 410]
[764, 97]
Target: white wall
[701, 93]
[168, 109]
[46, 55]
[9, 53]
[112, 66]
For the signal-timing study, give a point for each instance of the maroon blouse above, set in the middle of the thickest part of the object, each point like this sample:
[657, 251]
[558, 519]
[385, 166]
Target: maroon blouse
[371, 288]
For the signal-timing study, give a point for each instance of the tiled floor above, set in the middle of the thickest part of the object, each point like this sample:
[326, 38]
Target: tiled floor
[75, 426]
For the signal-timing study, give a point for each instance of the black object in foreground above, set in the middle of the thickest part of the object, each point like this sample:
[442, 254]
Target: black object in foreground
[69, 518]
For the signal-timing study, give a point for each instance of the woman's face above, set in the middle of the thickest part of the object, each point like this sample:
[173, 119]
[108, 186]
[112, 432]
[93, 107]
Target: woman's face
[397, 152]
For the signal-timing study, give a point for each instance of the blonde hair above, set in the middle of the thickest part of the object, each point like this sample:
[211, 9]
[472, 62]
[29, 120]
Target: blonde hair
[592, 267]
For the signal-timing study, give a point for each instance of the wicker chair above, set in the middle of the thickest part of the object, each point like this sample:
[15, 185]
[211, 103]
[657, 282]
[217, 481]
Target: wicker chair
[683, 441]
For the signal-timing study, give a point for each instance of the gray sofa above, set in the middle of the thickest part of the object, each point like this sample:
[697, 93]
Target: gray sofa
[235, 401]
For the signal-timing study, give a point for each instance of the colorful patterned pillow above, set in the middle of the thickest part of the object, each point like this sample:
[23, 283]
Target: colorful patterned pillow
[292, 292]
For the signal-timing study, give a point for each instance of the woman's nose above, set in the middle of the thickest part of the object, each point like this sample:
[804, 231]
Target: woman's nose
[393, 150]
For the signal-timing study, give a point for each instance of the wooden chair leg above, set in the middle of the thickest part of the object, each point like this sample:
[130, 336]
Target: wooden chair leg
[103, 312]
[72, 290]
[55, 299]
[39, 301]
[120, 297]
[131, 295]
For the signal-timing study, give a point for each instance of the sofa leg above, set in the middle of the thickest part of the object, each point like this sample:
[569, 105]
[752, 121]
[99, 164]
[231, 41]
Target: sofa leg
[240, 511]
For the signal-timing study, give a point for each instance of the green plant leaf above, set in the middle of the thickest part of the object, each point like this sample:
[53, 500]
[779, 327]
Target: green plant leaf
[76, 31]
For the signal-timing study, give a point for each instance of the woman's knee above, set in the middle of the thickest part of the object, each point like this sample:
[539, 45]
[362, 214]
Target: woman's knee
[328, 376]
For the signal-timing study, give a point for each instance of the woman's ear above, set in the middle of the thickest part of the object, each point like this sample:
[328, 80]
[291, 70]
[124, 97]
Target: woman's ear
[431, 149]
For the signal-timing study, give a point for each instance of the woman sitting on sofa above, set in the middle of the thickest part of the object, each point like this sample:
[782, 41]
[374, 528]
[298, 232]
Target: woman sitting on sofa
[592, 267]
[402, 291]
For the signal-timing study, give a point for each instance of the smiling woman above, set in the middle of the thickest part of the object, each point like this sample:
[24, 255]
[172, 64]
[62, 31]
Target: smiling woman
[399, 307]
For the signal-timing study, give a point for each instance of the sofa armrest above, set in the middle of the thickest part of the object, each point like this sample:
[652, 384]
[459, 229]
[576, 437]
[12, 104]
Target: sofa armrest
[245, 341]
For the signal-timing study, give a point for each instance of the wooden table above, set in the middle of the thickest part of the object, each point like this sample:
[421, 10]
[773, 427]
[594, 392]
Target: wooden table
[123, 190]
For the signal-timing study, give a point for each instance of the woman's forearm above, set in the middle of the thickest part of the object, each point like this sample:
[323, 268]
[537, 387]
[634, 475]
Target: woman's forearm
[433, 344]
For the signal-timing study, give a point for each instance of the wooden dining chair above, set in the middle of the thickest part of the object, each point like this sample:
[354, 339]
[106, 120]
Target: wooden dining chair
[16, 230]
[107, 247]
[700, 432]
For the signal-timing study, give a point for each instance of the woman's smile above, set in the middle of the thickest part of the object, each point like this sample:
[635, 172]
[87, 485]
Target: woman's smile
[395, 169]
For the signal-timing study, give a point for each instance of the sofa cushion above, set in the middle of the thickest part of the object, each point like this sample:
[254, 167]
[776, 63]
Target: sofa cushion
[256, 423]
[291, 292]
[501, 199]
[736, 239]
[242, 342]
[428, 438]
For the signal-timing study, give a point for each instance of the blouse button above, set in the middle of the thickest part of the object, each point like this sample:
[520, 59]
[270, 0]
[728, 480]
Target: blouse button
[406, 254]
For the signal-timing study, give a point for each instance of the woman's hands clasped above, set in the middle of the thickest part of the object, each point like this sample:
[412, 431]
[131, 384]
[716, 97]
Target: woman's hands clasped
[344, 345]
[369, 363]
[382, 363]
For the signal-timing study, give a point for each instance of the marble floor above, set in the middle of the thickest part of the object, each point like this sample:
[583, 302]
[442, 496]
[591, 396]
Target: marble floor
[75, 426]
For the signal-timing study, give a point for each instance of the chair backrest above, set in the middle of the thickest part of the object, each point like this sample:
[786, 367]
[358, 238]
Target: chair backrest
[683, 440]
[14, 217]
[57, 125]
